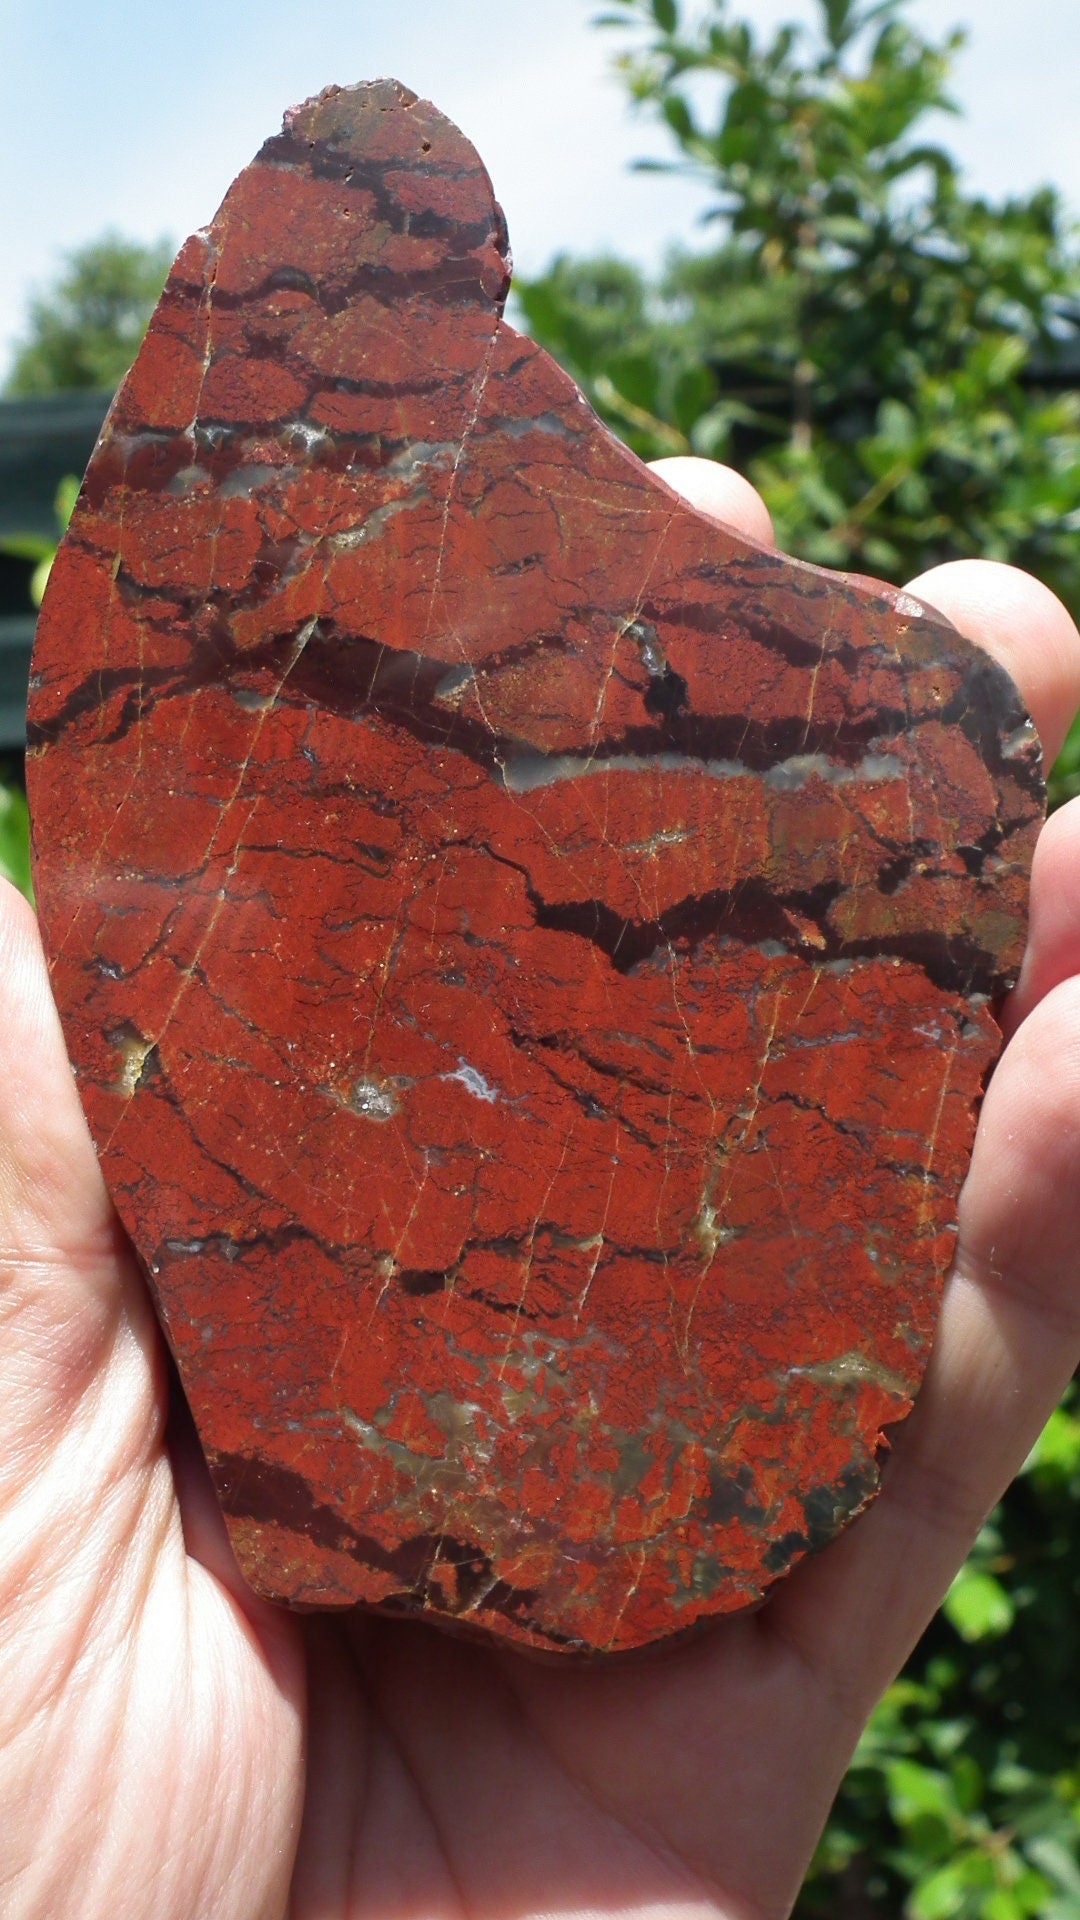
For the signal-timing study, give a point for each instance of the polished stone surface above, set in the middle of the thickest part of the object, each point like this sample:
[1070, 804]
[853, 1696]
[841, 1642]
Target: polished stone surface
[527, 954]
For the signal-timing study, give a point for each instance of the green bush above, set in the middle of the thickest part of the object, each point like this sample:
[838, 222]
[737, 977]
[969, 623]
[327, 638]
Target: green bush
[15, 837]
[963, 1800]
[85, 330]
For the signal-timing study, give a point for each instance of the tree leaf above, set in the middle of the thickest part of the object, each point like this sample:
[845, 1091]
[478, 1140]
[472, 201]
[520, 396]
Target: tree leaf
[15, 839]
[978, 1606]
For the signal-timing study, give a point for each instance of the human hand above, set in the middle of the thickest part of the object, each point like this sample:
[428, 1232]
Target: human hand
[170, 1746]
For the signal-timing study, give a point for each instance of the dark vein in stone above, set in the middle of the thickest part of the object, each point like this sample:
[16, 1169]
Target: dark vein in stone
[252, 1489]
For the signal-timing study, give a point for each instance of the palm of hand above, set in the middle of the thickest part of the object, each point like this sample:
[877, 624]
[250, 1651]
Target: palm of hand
[168, 1746]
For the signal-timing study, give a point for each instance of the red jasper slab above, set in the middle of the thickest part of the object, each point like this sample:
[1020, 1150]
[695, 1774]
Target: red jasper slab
[528, 954]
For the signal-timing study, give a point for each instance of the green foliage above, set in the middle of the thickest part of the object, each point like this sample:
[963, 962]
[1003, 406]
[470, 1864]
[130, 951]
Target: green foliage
[15, 838]
[977, 1604]
[33, 546]
[963, 1800]
[877, 348]
[882, 353]
[14, 818]
[86, 330]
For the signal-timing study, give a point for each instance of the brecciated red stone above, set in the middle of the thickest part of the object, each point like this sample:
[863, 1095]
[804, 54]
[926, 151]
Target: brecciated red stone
[528, 954]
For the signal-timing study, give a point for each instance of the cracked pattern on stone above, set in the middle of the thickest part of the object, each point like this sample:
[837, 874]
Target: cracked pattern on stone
[528, 955]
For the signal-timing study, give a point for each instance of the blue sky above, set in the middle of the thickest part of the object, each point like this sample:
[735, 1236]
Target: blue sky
[136, 114]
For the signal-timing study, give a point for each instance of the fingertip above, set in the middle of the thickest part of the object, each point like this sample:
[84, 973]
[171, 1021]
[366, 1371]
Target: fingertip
[1053, 949]
[1023, 625]
[719, 492]
[1019, 1211]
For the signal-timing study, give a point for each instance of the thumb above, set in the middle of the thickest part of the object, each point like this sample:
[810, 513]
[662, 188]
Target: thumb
[73, 1308]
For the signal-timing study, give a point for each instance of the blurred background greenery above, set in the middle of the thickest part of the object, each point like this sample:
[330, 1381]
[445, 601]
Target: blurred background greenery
[895, 363]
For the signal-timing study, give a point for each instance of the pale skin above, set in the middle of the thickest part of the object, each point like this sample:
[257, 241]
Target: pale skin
[171, 1747]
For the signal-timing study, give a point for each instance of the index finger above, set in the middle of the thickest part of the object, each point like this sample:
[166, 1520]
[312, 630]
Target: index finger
[1024, 625]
